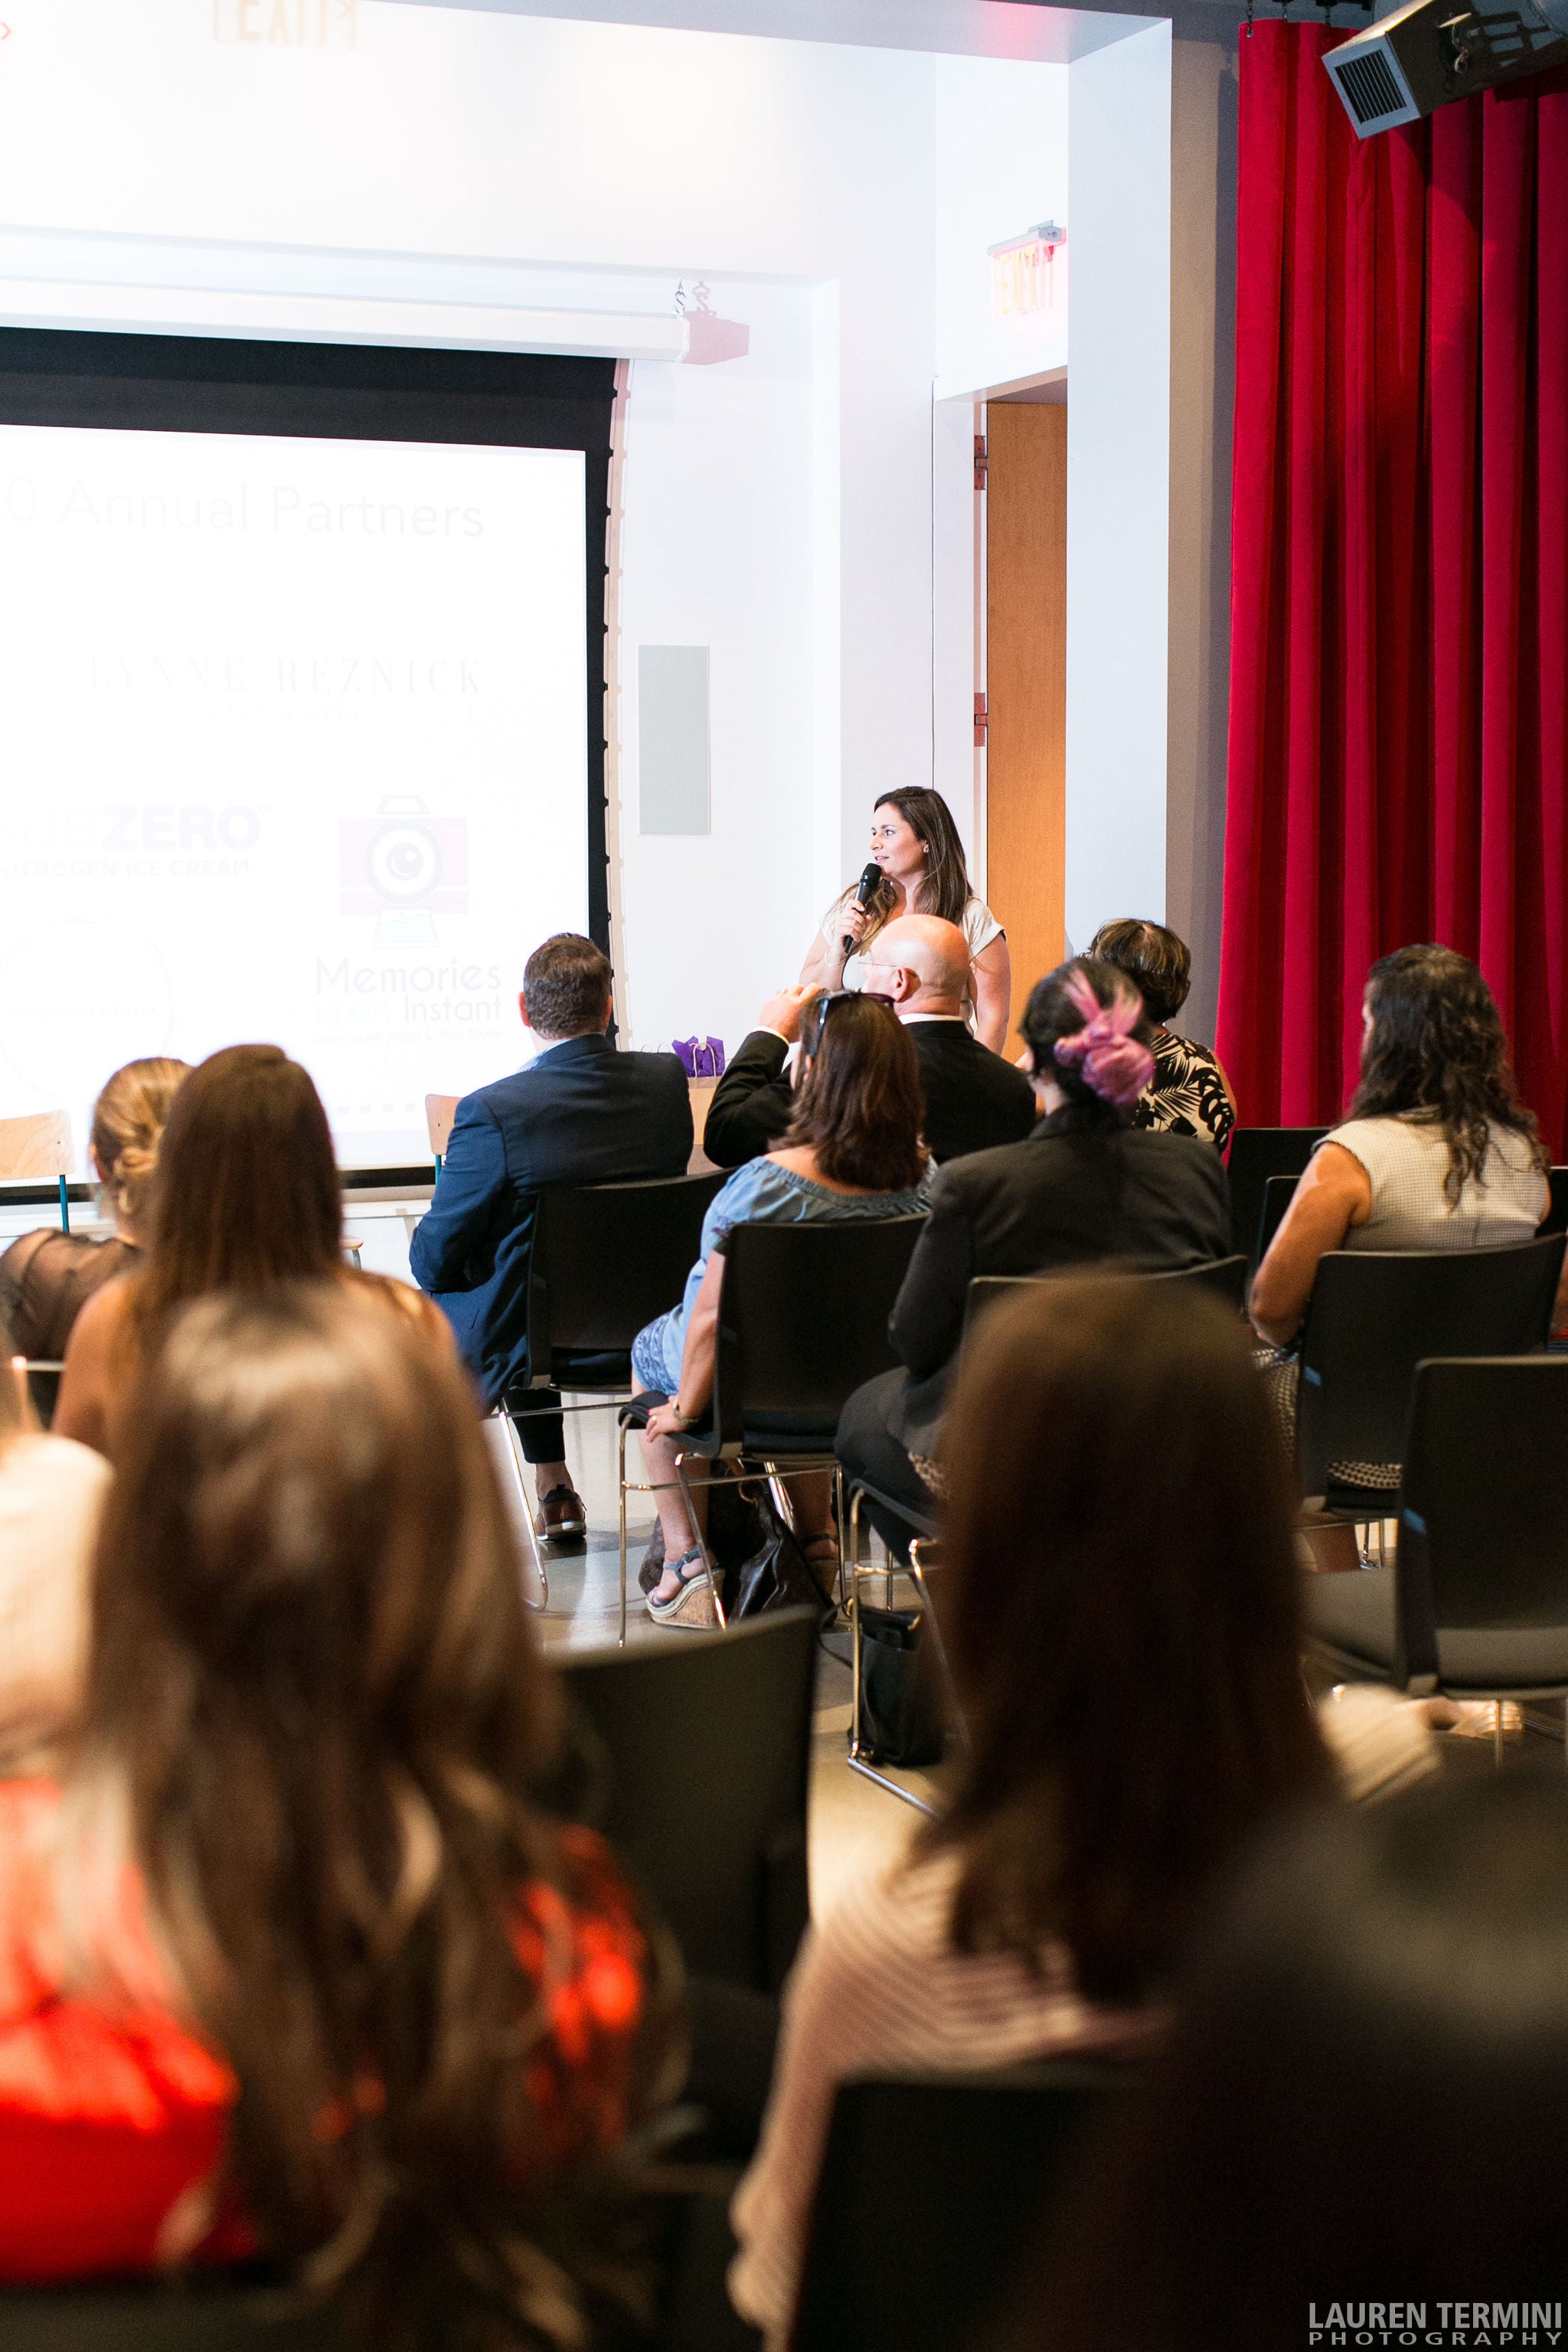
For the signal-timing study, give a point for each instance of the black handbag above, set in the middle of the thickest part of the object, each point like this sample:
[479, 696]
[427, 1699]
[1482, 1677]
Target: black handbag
[900, 1714]
[752, 1547]
[775, 1573]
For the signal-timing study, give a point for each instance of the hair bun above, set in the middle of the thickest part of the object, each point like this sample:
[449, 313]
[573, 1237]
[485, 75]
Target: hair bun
[1111, 1061]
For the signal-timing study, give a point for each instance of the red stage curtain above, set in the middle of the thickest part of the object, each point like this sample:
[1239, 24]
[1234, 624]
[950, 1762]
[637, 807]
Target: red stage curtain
[1398, 757]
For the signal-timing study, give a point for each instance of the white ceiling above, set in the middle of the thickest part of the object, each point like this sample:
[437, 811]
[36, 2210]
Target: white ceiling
[984, 28]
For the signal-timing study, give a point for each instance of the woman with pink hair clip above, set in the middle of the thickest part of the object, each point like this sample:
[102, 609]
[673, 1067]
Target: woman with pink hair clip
[1087, 1186]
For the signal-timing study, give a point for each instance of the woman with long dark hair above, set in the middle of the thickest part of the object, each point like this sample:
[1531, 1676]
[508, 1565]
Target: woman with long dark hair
[1365, 2095]
[915, 841]
[294, 1965]
[1121, 1610]
[1088, 1184]
[246, 1197]
[1437, 1152]
[853, 1149]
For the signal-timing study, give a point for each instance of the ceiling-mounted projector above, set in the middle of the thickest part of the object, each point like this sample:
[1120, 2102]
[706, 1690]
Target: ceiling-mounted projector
[1433, 51]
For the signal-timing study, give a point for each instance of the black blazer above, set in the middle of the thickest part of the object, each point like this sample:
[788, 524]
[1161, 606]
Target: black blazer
[973, 1099]
[1074, 1193]
[581, 1114]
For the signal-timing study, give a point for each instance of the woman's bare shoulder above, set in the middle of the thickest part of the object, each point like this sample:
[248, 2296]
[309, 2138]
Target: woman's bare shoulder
[104, 1312]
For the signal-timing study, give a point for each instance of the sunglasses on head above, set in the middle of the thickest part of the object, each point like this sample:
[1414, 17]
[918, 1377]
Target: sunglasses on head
[816, 1012]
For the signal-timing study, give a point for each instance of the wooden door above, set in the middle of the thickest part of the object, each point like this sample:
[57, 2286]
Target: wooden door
[1025, 682]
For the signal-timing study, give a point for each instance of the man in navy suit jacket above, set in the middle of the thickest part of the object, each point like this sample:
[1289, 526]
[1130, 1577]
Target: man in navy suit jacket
[580, 1114]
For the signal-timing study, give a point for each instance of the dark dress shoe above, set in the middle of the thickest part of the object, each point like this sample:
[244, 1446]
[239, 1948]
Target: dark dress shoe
[562, 1521]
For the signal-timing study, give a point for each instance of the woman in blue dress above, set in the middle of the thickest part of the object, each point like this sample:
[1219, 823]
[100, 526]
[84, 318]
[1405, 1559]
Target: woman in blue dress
[853, 1150]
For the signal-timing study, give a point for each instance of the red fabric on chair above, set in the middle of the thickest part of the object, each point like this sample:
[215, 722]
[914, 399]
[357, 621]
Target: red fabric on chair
[1398, 759]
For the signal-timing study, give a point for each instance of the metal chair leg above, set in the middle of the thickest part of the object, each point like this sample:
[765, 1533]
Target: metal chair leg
[696, 1525]
[518, 1462]
[858, 1763]
[938, 1647]
[622, 1486]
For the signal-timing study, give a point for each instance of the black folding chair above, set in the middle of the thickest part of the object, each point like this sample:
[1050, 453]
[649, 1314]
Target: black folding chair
[1225, 1277]
[803, 1320]
[605, 1259]
[1255, 1154]
[931, 2189]
[1373, 1317]
[696, 1761]
[44, 1386]
[1475, 1604]
[1277, 1195]
[212, 2315]
[1555, 1220]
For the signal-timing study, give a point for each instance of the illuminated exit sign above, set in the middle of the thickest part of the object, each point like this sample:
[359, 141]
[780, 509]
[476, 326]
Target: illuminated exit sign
[1021, 279]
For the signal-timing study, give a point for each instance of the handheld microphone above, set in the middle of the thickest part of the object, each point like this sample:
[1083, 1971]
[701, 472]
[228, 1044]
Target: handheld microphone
[866, 890]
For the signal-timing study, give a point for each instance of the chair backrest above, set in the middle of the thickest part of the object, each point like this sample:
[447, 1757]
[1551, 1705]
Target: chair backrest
[608, 1258]
[44, 1386]
[1555, 1220]
[194, 2316]
[440, 1110]
[931, 2189]
[1374, 1315]
[1225, 1276]
[1277, 1195]
[802, 1317]
[38, 1144]
[1255, 1154]
[1483, 1530]
[698, 1765]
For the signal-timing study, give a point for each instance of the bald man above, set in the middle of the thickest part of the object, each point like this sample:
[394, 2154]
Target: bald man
[974, 1098]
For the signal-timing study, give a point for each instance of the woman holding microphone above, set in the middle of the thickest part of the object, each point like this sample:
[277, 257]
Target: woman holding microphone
[915, 842]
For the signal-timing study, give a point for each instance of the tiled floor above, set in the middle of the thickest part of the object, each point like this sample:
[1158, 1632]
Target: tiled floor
[853, 1824]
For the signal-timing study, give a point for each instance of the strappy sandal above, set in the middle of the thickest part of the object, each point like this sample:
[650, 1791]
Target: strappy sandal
[693, 1604]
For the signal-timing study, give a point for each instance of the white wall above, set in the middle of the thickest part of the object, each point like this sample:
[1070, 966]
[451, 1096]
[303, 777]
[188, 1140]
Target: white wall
[497, 158]
[1001, 167]
[778, 508]
[1117, 482]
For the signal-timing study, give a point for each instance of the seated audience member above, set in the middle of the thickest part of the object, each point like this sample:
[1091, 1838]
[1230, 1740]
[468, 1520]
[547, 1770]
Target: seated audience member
[1438, 1153]
[1189, 1093]
[1119, 1607]
[579, 1114]
[336, 1990]
[247, 1198]
[1367, 2083]
[46, 1276]
[1086, 1184]
[852, 1151]
[51, 1492]
[916, 844]
[973, 1098]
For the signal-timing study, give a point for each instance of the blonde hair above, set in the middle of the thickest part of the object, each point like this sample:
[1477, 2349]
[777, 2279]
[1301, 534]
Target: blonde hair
[127, 1121]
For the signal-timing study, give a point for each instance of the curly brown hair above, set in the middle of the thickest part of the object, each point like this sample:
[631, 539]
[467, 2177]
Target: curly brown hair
[1436, 1046]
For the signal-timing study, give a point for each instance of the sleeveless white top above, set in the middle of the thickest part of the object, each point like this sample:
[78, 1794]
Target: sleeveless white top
[979, 927]
[1406, 1160]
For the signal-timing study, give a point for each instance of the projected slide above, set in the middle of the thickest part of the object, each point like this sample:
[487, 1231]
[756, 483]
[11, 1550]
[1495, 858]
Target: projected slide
[292, 743]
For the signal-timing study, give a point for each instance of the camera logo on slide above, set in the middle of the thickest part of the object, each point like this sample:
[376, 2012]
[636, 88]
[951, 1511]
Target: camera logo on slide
[404, 857]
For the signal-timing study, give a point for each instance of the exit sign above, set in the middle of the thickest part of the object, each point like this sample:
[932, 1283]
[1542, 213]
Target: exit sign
[286, 24]
[1021, 275]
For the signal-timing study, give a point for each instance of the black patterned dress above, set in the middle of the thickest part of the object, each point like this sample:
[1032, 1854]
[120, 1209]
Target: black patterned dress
[1187, 1093]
